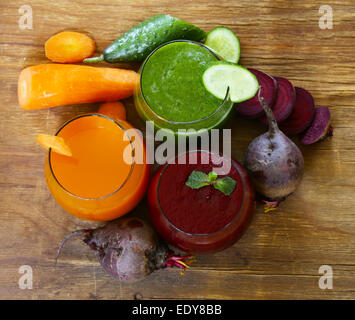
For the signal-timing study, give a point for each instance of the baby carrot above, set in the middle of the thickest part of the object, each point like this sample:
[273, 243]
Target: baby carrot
[50, 85]
[69, 47]
[114, 110]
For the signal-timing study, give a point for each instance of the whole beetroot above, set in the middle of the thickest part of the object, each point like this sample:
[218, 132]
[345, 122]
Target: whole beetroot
[128, 249]
[274, 163]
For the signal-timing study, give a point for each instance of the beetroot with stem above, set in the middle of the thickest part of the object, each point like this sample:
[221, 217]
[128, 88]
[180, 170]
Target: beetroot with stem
[128, 249]
[320, 128]
[252, 107]
[302, 114]
[285, 100]
[274, 163]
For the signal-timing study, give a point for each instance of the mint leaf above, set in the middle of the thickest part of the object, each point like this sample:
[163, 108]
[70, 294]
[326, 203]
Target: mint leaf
[197, 180]
[212, 176]
[226, 185]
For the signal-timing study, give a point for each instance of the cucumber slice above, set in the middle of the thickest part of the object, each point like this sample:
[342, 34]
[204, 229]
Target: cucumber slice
[221, 75]
[225, 43]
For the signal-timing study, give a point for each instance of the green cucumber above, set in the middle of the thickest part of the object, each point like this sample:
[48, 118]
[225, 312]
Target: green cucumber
[225, 43]
[137, 43]
[220, 75]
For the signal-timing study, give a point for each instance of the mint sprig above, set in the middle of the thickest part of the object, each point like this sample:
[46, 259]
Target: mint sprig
[199, 179]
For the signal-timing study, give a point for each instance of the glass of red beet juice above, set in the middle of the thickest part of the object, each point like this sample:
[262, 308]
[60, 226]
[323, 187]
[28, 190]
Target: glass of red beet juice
[201, 220]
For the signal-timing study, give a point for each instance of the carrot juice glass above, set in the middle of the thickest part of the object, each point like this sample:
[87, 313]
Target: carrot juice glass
[103, 179]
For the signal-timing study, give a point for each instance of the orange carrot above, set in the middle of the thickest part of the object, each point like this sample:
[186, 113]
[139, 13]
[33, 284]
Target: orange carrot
[69, 47]
[115, 110]
[57, 144]
[50, 85]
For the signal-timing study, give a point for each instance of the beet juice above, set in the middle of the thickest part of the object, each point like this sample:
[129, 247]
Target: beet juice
[203, 220]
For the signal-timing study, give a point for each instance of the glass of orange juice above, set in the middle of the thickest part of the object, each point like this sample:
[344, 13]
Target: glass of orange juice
[102, 180]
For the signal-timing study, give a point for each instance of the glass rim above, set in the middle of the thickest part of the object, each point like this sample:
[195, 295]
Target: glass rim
[171, 121]
[81, 197]
[199, 234]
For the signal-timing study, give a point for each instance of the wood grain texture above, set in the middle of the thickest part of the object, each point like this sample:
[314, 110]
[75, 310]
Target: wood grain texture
[279, 256]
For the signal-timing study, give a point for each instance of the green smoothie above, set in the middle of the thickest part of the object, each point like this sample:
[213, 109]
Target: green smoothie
[171, 82]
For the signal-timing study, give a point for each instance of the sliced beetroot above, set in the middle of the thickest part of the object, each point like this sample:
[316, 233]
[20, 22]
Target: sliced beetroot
[252, 107]
[285, 100]
[302, 114]
[320, 128]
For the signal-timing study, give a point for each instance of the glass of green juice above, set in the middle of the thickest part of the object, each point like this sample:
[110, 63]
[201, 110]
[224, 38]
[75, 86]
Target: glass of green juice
[171, 92]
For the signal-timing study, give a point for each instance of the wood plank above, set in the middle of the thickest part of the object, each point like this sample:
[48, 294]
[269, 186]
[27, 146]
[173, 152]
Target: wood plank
[280, 254]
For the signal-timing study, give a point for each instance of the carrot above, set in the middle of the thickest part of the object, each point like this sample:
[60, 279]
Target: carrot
[57, 144]
[50, 85]
[115, 110]
[69, 47]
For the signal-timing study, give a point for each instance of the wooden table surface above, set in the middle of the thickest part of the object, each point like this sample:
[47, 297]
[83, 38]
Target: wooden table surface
[280, 255]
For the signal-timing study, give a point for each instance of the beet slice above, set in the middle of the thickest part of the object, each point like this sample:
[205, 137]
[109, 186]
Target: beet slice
[252, 108]
[320, 128]
[302, 114]
[285, 100]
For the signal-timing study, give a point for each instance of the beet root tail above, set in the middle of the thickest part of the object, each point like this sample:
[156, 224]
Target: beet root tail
[182, 262]
[74, 233]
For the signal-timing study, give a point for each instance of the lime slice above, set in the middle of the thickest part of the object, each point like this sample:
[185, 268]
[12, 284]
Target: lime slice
[225, 43]
[221, 75]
